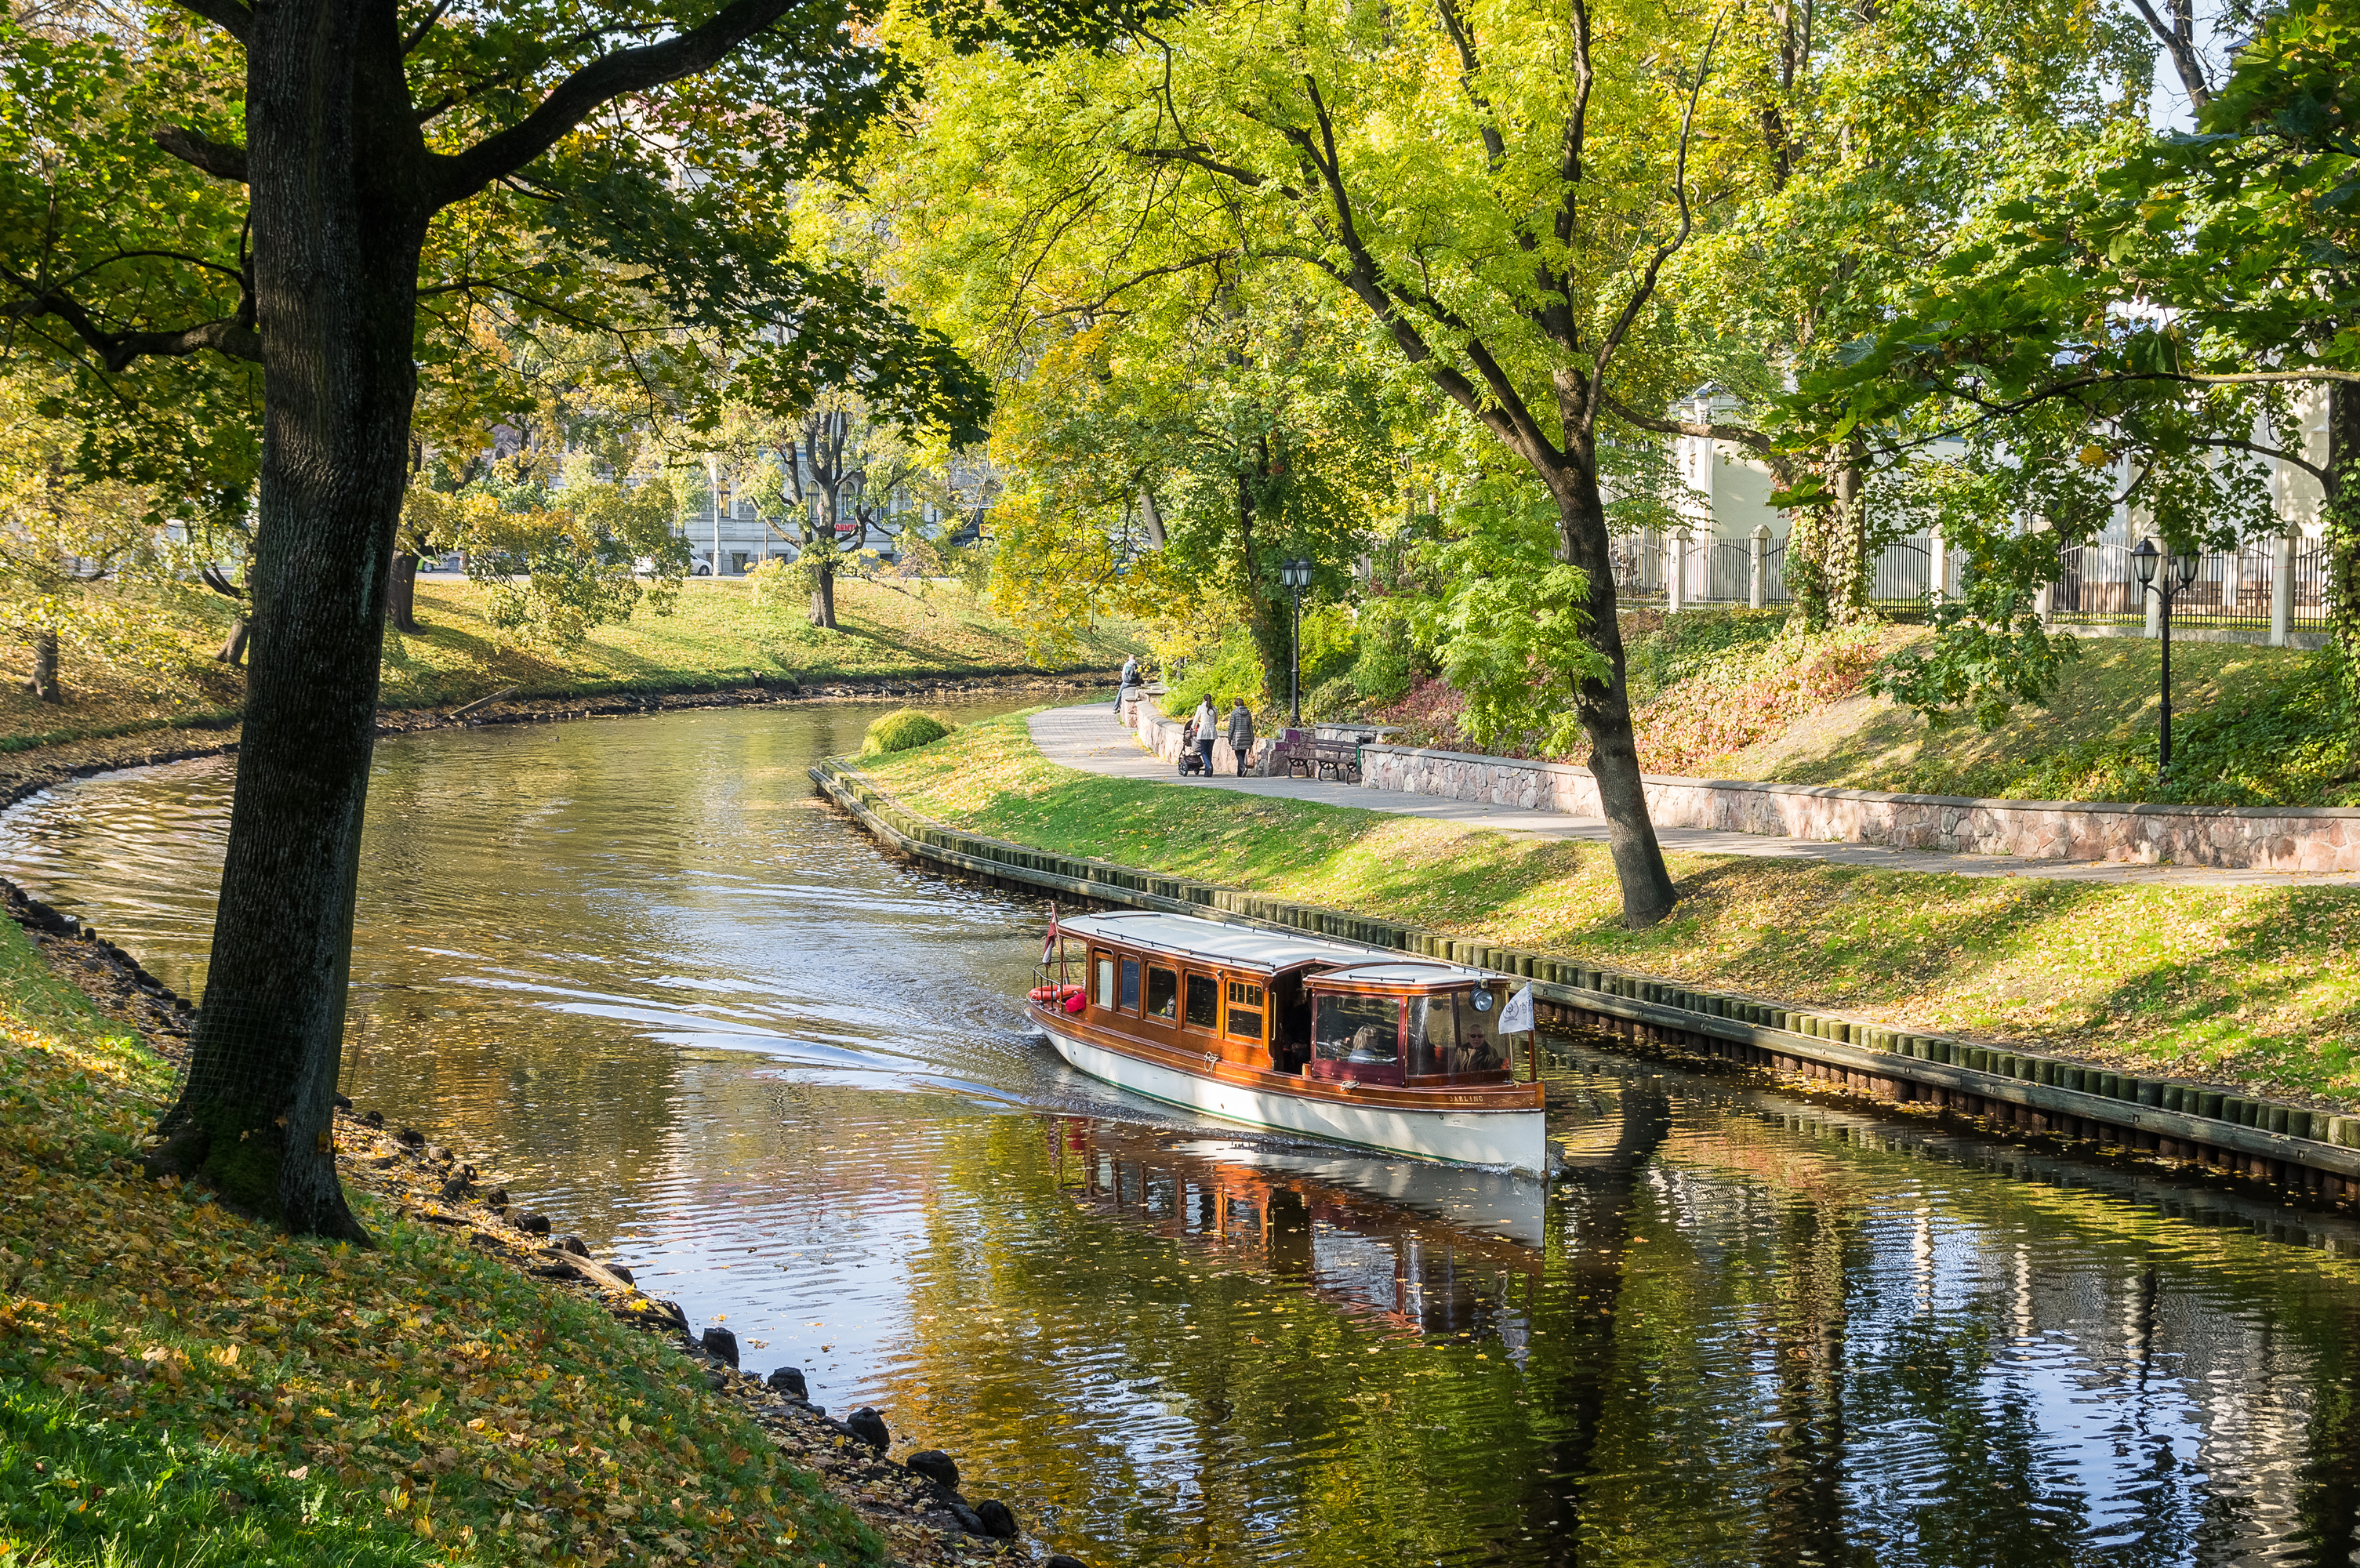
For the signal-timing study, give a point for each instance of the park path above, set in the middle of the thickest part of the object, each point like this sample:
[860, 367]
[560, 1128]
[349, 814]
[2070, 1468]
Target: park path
[1090, 738]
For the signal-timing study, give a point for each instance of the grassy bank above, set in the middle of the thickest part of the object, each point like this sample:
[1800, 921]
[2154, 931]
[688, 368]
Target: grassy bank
[717, 635]
[182, 1386]
[1736, 694]
[2250, 986]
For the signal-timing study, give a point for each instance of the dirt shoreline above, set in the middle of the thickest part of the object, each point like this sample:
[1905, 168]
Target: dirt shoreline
[26, 773]
[921, 1513]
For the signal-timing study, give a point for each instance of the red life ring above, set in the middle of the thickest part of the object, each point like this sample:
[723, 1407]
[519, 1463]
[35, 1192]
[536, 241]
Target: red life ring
[1069, 996]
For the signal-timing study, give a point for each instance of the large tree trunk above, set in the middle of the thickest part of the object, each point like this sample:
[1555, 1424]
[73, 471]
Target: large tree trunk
[1605, 707]
[402, 599]
[44, 684]
[335, 163]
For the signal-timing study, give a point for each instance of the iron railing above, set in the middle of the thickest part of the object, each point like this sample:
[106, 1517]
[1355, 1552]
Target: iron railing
[2098, 585]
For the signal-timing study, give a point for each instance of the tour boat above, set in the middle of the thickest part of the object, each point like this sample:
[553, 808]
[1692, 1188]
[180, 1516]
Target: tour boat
[1300, 1034]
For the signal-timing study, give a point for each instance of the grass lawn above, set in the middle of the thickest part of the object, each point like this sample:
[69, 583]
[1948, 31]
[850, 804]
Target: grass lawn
[182, 1386]
[716, 636]
[2096, 740]
[2253, 985]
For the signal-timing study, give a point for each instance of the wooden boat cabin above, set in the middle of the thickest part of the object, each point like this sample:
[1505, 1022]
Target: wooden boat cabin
[1319, 1011]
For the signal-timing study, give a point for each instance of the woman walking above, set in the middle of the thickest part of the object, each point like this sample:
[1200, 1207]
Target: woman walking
[1240, 732]
[1205, 723]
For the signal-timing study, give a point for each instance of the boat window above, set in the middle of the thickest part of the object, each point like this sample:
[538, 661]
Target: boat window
[1130, 985]
[1245, 1009]
[1106, 980]
[1204, 1002]
[1162, 994]
[1357, 1028]
[1479, 1033]
[1432, 1035]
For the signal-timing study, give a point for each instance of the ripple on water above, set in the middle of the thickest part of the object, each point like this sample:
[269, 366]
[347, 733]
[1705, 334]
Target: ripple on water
[705, 1024]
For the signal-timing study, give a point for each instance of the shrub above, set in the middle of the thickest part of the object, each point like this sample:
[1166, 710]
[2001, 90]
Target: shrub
[1231, 670]
[901, 730]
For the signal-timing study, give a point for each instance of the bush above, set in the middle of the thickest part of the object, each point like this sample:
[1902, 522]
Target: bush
[901, 730]
[1231, 670]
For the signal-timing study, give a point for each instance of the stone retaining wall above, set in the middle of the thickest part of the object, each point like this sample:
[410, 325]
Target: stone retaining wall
[1162, 735]
[2230, 837]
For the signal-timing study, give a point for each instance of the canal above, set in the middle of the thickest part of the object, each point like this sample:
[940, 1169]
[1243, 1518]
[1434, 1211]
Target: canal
[697, 1017]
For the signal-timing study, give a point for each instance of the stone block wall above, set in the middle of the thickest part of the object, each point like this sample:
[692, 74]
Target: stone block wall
[1162, 735]
[2229, 837]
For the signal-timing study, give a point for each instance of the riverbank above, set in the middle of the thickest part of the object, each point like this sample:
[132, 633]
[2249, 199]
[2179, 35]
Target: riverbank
[1724, 694]
[718, 639]
[178, 1383]
[2252, 987]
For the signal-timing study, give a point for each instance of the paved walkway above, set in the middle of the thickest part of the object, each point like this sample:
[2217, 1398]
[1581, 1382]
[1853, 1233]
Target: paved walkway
[1091, 739]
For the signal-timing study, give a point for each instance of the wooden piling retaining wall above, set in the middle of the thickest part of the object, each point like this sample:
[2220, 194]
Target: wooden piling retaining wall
[2313, 1152]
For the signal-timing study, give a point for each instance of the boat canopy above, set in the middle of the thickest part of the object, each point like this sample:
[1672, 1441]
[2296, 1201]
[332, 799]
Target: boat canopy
[1413, 974]
[1212, 941]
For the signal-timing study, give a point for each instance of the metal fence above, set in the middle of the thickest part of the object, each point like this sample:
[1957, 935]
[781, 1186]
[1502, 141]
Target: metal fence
[2097, 584]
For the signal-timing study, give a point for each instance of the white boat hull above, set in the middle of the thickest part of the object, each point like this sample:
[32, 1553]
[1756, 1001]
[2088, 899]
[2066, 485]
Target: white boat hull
[1514, 1139]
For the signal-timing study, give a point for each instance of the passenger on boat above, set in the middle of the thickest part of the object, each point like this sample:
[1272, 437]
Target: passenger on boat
[1477, 1055]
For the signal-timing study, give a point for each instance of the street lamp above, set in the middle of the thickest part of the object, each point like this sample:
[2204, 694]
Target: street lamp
[1296, 575]
[2178, 575]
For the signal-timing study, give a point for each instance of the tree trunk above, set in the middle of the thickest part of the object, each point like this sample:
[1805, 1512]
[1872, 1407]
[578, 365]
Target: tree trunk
[336, 168]
[1827, 550]
[402, 598]
[2342, 515]
[233, 648]
[44, 684]
[1604, 708]
[823, 605]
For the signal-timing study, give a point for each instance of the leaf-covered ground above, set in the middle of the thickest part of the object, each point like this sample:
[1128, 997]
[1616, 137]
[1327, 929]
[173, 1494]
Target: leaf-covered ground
[719, 635]
[1737, 694]
[2254, 986]
[180, 1385]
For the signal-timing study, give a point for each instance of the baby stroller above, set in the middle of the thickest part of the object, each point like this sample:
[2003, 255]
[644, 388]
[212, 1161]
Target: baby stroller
[1191, 760]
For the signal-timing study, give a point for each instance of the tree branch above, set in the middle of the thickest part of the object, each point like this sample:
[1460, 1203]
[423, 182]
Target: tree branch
[1645, 289]
[229, 15]
[2182, 50]
[455, 177]
[219, 159]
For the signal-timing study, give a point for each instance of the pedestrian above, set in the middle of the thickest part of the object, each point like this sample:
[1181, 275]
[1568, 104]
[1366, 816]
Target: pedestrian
[1240, 732]
[1204, 732]
[1130, 678]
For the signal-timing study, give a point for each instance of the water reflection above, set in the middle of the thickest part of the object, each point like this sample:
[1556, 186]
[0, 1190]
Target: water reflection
[704, 1022]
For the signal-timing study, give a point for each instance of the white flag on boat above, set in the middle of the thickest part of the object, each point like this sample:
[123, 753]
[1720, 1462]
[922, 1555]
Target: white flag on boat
[1517, 1016]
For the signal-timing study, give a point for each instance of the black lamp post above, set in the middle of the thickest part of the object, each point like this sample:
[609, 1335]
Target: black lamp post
[2175, 580]
[1296, 575]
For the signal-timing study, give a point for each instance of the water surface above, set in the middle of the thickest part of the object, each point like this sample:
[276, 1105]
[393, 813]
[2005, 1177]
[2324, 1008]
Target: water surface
[699, 1018]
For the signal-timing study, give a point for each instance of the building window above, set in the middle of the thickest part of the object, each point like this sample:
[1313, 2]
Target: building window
[1245, 1010]
[738, 563]
[1162, 994]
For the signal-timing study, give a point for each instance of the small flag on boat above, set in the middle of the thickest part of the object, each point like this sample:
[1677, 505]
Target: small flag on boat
[1517, 1016]
[1049, 942]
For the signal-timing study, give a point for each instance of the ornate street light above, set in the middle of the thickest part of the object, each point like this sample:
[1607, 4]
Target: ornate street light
[2176, 578]
[1296, 575]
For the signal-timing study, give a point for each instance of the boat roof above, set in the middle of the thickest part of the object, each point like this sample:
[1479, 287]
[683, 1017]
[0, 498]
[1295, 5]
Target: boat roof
[1194, 938]
[1409, 971]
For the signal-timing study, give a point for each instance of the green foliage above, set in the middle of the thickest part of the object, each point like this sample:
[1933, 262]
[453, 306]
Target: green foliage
[1232, 669]
[1983, 664]
[1388, 658]
[901, 730]
[1510, 626]
[1660, 651]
